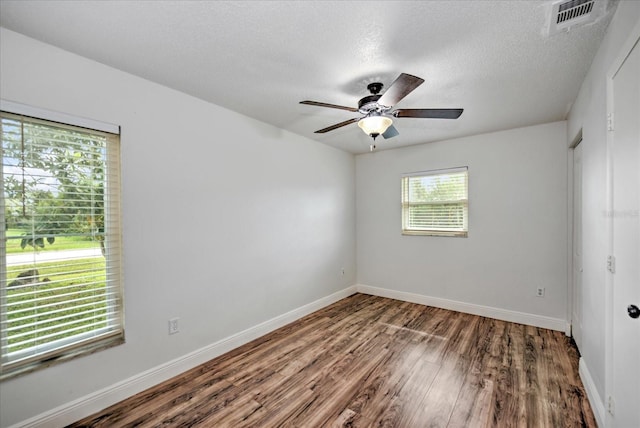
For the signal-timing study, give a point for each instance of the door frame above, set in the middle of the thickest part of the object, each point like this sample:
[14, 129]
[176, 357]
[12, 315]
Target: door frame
[625, 51]
[570, 215]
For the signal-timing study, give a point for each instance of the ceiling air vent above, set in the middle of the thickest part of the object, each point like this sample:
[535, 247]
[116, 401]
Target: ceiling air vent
[573, 9]
[571, 13]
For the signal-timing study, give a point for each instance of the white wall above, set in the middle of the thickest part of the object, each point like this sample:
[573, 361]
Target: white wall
[517, 222]
[228, 222]
[589, 113]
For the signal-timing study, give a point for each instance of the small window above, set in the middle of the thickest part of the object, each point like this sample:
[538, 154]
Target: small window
[435, 203]
[60, 282]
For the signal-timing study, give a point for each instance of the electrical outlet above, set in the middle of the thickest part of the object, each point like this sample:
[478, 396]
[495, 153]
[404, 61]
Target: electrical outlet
[174, 326]
[540, 292]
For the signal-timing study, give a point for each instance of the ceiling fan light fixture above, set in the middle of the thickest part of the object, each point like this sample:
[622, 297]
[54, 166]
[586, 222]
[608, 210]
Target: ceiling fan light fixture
[377, 110]
[375, 124]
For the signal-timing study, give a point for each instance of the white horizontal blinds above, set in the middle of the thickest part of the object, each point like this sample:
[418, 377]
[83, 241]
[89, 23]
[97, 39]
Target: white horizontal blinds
[435, 202]
[58, 117]
[61, 287]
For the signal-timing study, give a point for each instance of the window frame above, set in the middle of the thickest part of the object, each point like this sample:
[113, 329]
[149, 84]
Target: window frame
[406, 203]
[24, 361]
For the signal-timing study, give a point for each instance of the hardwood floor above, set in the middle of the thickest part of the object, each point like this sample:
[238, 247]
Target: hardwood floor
[368, 361]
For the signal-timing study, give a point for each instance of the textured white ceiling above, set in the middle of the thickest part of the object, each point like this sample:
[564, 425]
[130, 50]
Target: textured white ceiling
[260, 58]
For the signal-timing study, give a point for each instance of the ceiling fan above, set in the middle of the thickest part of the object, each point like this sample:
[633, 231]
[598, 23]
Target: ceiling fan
[378, 108]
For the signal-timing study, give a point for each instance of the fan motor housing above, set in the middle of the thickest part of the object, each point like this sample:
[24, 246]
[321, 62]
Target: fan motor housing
[369, 104]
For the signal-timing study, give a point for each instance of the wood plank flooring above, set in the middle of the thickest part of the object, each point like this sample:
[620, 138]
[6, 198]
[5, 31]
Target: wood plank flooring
[368, 361]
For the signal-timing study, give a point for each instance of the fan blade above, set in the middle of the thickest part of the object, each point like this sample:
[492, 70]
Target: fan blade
[400, 88]
[337, 125]
[316, 103]
[429, 113]
[390, 132]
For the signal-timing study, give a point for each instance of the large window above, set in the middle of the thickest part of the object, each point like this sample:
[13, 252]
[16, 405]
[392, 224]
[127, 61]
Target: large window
[435, 203]
[60, 282]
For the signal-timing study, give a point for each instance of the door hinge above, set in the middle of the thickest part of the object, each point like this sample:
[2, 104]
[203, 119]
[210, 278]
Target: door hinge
[611, 264]
[611, 406]
[610, 122]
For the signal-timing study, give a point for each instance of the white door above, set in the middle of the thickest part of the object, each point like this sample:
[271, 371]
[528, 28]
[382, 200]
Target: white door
[625, 157]
[576, 305]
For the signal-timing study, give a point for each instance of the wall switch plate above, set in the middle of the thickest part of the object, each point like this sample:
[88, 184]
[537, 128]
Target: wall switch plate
[540, 292]
[174, 326]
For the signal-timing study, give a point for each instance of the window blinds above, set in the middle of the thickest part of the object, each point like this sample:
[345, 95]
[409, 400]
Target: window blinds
[435, 203]
[61, 290]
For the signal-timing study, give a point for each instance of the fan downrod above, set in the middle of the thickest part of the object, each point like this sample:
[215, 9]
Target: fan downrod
[369, 103]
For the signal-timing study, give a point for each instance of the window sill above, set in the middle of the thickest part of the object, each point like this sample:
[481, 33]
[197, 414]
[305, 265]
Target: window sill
[435, 233]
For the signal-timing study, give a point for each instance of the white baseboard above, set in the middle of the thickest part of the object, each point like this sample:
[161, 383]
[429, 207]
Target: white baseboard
[92, 403]
[469, 308]
[592, 393]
